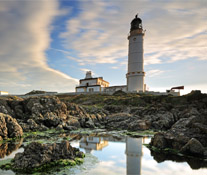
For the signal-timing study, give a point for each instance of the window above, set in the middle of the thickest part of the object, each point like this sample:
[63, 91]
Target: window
[90, 89]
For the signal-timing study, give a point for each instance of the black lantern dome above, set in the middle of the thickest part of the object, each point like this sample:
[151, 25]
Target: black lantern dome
[136, 23]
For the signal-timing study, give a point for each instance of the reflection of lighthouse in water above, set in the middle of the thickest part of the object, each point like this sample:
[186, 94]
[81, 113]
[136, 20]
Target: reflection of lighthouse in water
[133, 155]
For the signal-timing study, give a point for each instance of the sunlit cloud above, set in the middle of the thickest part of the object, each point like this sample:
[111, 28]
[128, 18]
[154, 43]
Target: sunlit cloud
[174, 30]
[154, 72]
[25, 36]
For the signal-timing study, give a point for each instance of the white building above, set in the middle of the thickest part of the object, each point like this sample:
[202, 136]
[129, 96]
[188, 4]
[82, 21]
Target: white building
[4, 93]
[135, 74]
[90, 84]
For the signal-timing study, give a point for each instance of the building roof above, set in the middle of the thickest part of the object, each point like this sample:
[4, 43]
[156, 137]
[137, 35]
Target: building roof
[117, 86]
[88, 86]
[101, 78]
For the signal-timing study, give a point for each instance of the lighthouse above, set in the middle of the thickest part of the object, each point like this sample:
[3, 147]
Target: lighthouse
[135, 74]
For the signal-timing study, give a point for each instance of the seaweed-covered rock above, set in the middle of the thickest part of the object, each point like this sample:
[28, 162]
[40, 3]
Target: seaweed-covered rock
[36, 155]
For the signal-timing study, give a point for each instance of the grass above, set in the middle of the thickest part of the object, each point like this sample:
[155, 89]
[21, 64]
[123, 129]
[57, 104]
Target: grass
[129, 99]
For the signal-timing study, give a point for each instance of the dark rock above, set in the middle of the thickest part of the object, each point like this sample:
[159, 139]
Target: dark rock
[69, 128]
[119, 92]
[32, 125]
[14, 129]
[37, 154]
[89, 124]
[114, 108]
[162, 121]
[59, 127]
[139, 125]
[193, 147]
[3, 127]
[9, 128]
[7, 148]
[73, 121]
[51, 120]
[201, 126]
[118, 121]
[159, 141]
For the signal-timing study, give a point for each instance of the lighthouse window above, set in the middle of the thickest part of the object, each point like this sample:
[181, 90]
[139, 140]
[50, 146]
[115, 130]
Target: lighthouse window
[134, 39]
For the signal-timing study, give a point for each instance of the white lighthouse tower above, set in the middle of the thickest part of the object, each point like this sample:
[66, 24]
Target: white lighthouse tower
[135, 75]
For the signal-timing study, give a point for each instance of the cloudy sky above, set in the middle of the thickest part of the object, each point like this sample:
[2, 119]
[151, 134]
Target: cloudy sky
[49, 44]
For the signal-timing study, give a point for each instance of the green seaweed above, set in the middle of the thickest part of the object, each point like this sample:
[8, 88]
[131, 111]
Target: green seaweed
[51, 166]
[140, 133]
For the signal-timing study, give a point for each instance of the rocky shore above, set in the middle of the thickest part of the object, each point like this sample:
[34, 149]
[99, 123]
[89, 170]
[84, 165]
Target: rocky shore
[39, 157]
[181, 122]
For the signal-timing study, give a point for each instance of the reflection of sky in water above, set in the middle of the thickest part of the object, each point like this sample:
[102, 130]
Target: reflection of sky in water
[112, 160]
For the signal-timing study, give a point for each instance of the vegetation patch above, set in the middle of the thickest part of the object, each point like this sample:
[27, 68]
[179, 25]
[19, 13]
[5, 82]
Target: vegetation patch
[146, 133]
[165, 150]
[48, 167]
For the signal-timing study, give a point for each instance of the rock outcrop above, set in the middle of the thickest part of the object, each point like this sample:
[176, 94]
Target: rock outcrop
[9, 128]
[180, 118]
[187, 135]
[7, 148]
[36, 155]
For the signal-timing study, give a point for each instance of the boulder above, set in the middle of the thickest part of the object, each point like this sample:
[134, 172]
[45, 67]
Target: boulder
[3, 127]
[139, 125]
[36, 154]
[200, 126]
[51, 120]
[8, 147]
[73, 121]
[159, 141]
[193, 147]
[32, 125]
[9, 128]
[162, 120]
[89, 124]
[118, 121]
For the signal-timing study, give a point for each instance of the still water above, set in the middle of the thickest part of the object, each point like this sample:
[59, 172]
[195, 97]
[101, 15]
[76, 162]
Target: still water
[119, 156]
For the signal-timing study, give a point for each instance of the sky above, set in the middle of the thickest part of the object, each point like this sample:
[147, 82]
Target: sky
[50, 44]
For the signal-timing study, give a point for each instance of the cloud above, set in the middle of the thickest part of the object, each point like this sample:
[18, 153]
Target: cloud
[94, 36]
[108, 167]
[25, 36]
[176, 30]
[153, 73]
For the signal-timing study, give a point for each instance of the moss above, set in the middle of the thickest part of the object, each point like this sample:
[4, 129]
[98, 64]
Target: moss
[52, 166]
[6, 166]
[140, 133]
[78, 161]
[10, 140]
[165, 150]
